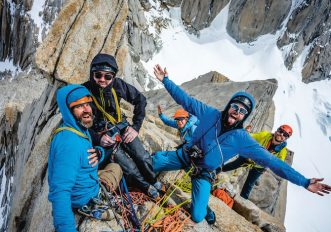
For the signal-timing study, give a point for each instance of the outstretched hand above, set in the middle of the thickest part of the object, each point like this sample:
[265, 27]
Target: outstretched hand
[159, 72]
[318, 188]
[159, 109]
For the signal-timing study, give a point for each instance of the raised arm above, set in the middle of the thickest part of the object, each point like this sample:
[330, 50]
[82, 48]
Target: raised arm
[168, 121]
[189, 103]
[262, 157]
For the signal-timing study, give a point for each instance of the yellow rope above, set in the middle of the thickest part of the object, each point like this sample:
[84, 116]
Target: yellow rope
[178, 185]
[109, 117]
[57, 130]
[185, 183]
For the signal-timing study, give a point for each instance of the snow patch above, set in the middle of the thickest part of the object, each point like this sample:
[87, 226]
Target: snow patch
[36, 15]
[8, 66]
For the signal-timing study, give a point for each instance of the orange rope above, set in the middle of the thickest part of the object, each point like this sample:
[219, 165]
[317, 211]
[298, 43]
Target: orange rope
[139, 198]
[173, 222]
[123, 209]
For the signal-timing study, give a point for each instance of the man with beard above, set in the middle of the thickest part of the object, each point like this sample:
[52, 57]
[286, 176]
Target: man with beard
[219, 137]
[275, 143]
[127, 150]
[72, 164]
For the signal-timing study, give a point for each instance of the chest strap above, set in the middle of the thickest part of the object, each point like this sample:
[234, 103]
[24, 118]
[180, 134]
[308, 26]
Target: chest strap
[77, 132]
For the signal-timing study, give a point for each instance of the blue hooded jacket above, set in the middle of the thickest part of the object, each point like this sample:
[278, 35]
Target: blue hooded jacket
[219, 145]
[186, 132]
[72, 180]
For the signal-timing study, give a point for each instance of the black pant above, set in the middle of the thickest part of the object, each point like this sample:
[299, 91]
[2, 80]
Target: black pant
[135, 162]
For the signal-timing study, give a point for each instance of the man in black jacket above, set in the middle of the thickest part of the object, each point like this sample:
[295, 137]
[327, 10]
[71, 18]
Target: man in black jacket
[121, 142]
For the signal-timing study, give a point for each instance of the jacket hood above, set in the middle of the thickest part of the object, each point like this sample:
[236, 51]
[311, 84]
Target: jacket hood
[244, 94]
[64, 97]
[103, 59]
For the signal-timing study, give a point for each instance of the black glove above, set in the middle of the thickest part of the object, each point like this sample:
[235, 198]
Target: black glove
[195, 152]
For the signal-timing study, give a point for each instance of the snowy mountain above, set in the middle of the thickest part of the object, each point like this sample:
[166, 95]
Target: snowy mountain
[304, 106]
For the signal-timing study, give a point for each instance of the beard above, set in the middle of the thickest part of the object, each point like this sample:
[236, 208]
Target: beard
[232, 120]
[86, 120]
[278, 139]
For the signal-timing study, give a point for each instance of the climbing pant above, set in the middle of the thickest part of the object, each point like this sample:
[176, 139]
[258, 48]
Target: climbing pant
[135, 162]
[111, 176]
[98, 207]
[201, 186]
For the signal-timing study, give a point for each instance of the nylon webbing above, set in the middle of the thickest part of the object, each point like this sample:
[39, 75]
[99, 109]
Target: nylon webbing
[57, 130]
[111, 119]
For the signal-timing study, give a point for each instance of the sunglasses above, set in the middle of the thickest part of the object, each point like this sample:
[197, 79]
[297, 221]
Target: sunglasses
[180, 119]
[107, 76]
[237, 108]
[281, 131]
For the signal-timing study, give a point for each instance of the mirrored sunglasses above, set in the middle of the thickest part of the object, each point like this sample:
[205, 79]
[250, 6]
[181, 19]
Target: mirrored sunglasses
[281, 131]
[237, 108]
[107, 76]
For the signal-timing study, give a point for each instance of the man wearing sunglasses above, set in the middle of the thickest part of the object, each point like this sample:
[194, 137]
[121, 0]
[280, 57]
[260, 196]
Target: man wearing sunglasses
[219, 137]
[183, 121]
[275, 143]
[125, 149]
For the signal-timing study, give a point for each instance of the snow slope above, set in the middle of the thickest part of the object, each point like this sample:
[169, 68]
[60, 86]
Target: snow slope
[307, 107]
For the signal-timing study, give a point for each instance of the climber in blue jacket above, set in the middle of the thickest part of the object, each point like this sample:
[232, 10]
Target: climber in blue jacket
[183, 121]
[73, 161]
[219, 137]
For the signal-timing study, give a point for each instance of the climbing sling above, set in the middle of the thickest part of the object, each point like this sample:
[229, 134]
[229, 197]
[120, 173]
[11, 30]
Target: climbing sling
[109, 117]
[77, 132]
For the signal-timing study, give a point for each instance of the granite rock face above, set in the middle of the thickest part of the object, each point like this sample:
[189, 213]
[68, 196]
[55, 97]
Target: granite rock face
[19, 32]
[308, 28]
[302, 27]
[78, 34]
[250, 19]
[32, 127]
[198, 14]
[77, 31]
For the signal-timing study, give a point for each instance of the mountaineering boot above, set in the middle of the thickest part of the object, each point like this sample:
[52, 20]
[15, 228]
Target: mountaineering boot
[160, 187]
[99, 214]
[153, 193]
[210, 217]
[104, 215]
